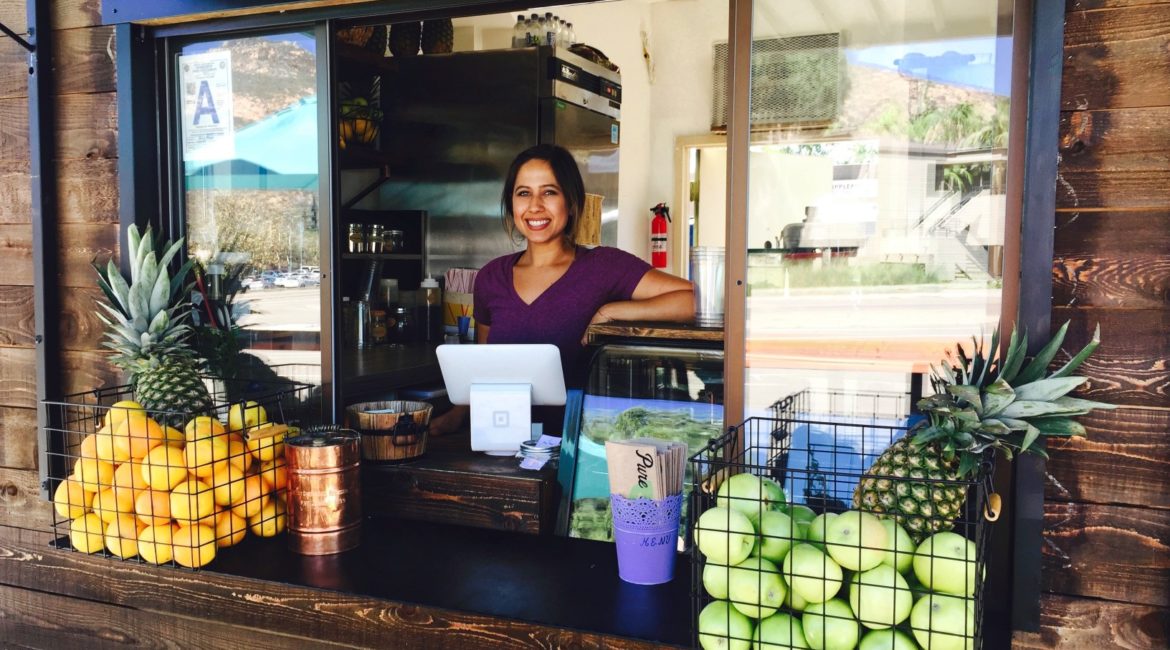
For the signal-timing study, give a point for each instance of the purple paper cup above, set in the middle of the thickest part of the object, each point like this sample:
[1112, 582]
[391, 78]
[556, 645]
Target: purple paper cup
[645, 532]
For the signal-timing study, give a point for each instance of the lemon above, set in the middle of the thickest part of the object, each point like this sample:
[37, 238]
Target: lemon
[153, 507]
[265, 449]
[154, 543]
[122, 536]
[137, 435]
[111, 503]
[203, 426]
[275, 474]
[238, 453]
[228, 484]
[191, 501]
[105, 449]
[85, 533]
[194, 546]
[254, 499]
[70, 500]
[119, 411]
[230, 529]
[246, 414]
[271, 519]
[94, 475]
[128, 476]
[174, 436]
[206, 456]
[164, 468]
[88, 447]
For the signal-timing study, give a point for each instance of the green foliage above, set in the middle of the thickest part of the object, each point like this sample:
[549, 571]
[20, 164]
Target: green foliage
[803, 274]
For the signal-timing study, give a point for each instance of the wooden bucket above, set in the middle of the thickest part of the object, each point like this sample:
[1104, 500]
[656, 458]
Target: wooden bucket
[394, 430]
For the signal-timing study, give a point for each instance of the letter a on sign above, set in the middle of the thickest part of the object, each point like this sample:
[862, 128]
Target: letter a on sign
[205, 104]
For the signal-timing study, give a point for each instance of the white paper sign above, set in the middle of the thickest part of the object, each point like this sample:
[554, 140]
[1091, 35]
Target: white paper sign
[205, 81]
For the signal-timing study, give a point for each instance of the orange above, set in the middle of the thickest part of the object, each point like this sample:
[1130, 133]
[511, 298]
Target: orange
[88, 447]
[128, 476]
[254, 499]
[203, 426]
[194, 546]
[105, 449]
[70, 500]
[122, 536]
[275, 474]
[191, 501]
[94, 475]
[164, 468]
[86, 533]
[154, 543]
[230, 529]
[153, 507]
[271, 519]
[119, 411]
[174, 436]
[111, 503]
[228, 484]
[137, 435]
[238, 453]
[206, 456]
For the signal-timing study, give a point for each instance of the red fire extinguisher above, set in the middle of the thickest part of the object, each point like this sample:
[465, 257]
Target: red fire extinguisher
[658, 228]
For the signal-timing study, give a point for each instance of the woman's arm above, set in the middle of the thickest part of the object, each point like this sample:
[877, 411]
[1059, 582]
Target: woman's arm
[658, 296]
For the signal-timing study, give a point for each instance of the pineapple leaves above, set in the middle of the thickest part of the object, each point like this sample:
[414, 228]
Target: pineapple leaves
[1039, 364]
[1017, 347]
[1046, 390]
[1024, 409]
[967, 463]
[1030, 436]
[1059, 426]
[969, 394]
[997, 396]
[133, 243]
[1081, 406]
[1074, 363]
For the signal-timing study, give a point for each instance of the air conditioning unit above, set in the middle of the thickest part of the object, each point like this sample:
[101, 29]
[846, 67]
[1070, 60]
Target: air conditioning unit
[796, 80]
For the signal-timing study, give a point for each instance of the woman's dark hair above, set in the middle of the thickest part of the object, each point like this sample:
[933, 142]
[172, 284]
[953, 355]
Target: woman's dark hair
[568, 176]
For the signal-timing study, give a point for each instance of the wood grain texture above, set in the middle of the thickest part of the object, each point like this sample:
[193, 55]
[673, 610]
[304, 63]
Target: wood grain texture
[13, 72]
[1132, 364]
[18, 438]
[14, 128]
[15, 192]
[18, 378]
[87, 191]
[69, 14]
[1116, 58]
[88, 54]
[1123, 459]
[1117, 553]
[20, 500]
[81, 244]
[1112, 259]
[80, 328]
[276, 607]
[13, 13]
[1114, 159]
[34, 619]
[17, 326]
[1079, 624]
[16, 251]
[668, 331]
[87, 126]
[83, 371]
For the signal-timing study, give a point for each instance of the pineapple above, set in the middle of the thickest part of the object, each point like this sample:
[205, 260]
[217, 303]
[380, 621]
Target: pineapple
[438, 36]
[980, 404]
[404, 38]
[147, 329]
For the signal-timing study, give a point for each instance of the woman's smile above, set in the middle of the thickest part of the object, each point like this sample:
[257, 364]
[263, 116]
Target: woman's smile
[538, 203]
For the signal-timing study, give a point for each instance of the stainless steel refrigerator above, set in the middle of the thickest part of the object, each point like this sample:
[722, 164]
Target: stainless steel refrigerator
[453, 123]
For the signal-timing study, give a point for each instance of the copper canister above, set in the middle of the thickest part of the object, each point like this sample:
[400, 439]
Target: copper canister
[324, 491]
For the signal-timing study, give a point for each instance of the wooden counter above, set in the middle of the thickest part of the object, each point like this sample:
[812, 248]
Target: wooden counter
[663, 331]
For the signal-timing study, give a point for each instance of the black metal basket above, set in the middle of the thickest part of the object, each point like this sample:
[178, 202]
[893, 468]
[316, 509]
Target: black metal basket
[106, 481]
[818, 462]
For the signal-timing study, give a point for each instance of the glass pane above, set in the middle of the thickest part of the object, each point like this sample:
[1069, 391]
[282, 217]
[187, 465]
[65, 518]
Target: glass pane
[249, 150]
[876, 194]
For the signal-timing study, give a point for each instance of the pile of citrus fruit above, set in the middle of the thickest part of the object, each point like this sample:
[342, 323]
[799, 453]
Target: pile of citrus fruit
[140, 488]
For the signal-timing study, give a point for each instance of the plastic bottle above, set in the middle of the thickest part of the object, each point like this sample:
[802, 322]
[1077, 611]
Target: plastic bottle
[572, 34]
[534, 29]
[550, 29]
[562, 33]
[519, 33]
[431, 312]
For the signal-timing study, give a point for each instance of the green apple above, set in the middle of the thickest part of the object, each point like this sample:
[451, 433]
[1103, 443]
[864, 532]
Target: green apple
[746, 493]
[715, 580]
[754, 587]
[856, 540]
[813, 575]
[722, 627]
[777, 535]
[943, 622]
[779, 632]
[887, 640]
[901, 547]
[794, 601]
[246, 415]
[818, 528]
[945, 562]
[773, 493]
[801, 513]
[724, 536]
[880, 597]
[830, 626]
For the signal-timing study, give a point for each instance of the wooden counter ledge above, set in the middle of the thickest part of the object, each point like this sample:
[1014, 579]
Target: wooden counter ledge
[653, 330]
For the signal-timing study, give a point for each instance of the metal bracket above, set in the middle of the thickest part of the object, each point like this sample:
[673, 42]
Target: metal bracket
[16, 37]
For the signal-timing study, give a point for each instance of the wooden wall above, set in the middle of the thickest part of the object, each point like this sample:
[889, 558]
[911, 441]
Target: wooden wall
[1106, 569]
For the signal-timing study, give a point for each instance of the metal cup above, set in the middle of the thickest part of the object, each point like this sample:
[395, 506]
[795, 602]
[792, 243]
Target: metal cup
[707, 272]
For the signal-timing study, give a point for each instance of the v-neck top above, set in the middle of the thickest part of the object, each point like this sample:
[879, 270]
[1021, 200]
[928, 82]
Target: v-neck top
[562, 312]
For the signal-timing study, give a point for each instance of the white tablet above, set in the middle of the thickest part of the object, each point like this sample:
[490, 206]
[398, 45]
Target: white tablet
[536, 364]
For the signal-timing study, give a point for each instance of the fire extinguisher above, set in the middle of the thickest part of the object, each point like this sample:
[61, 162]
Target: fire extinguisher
[658, 230]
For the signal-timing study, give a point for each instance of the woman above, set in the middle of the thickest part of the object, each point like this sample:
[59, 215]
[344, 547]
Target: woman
[553, 290]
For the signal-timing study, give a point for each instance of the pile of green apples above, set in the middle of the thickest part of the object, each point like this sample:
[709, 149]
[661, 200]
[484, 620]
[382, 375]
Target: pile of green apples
[782, 576]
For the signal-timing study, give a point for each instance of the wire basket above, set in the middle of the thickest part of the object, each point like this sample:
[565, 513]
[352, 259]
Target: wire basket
[170, 488]
[784, 558]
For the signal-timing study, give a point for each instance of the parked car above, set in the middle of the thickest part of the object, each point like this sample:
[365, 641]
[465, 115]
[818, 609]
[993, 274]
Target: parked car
[256, 283]
[290, 280]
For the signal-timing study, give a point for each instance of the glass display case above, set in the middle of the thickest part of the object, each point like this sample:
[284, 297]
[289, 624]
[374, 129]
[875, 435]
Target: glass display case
[671, 392]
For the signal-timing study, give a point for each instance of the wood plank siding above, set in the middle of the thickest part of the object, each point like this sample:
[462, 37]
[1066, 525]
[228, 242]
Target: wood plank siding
[1106, 546]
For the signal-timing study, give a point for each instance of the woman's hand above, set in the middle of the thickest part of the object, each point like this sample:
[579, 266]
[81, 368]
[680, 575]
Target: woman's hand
[600, 317]
[449, 421]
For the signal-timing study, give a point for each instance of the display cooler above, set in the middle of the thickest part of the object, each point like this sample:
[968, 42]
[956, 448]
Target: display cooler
[808, 580]
[671, 392]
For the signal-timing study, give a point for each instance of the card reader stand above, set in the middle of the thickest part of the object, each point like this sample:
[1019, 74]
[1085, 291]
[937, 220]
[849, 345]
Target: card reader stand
[501, 417]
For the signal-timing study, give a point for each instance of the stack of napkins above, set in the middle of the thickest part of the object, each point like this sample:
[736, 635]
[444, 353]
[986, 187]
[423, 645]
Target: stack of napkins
[645, 467]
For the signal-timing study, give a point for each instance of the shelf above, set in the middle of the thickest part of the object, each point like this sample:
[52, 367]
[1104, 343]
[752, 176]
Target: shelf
[381, 256]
